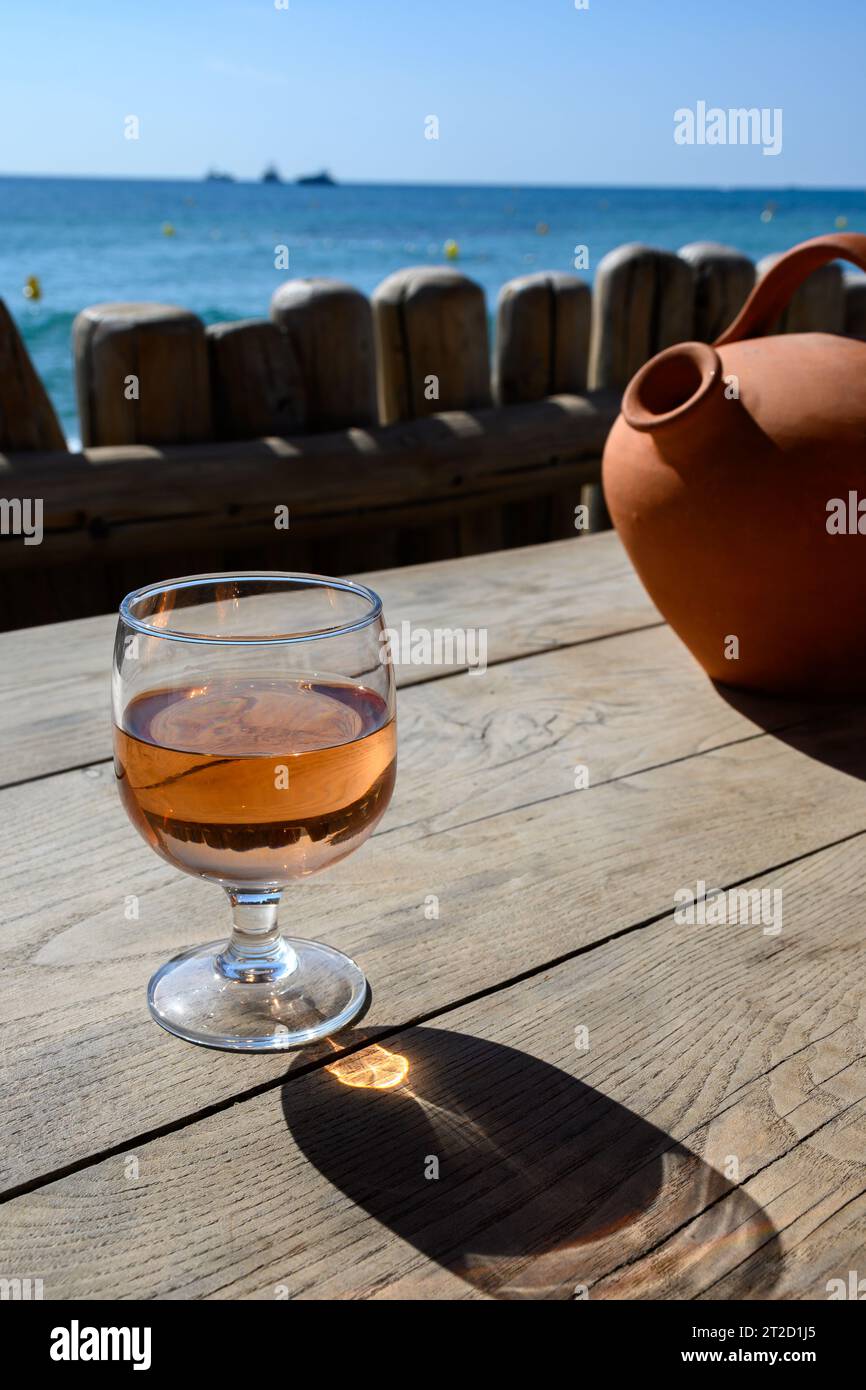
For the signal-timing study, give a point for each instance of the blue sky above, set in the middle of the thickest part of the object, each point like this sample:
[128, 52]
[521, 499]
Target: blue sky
[526, 91]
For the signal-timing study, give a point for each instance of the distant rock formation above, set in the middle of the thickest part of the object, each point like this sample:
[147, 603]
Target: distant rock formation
[321, 180]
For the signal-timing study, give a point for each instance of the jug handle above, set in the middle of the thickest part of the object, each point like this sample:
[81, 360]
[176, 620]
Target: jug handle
[770, 296]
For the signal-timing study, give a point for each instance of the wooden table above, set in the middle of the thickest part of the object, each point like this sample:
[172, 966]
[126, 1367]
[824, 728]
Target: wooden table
[598, 1096]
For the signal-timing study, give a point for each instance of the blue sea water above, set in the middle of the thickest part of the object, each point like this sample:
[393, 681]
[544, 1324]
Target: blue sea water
[89, 240]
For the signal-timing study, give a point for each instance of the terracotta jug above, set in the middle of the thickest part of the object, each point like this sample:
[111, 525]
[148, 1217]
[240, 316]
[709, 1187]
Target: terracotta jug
[736, 478]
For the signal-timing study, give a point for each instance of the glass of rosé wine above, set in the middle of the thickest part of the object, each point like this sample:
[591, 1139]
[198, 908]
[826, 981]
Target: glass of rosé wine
[255, 743]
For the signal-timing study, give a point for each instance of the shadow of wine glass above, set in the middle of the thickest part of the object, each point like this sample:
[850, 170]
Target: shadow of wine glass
[518, 1178]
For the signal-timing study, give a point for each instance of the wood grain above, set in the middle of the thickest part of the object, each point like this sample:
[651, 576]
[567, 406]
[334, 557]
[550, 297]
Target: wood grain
[54, 679]
[723, 282]
[160, 347]
[498, 911]
[255, 377]
[542, 337]
[103, 503]
[329, 326]
[643, 301]
[605, 1169]
[489, 864]
[431, 341]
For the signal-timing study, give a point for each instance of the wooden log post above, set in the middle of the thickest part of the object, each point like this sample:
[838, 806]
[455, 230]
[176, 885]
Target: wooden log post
[431, 338]
[433, 356]
[27, 418]
[643, 301]
[855, 306]
[256, 385]
[329, 328]
[816, 306]
[542, 349]
[141, 375]
[723, 282]
[542, 337]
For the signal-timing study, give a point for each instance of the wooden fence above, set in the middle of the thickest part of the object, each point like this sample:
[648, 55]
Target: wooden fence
[377, 429]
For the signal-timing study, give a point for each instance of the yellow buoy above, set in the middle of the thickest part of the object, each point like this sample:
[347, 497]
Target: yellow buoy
[32, 287]
[841, 223]
[452, 250]
[167, 229]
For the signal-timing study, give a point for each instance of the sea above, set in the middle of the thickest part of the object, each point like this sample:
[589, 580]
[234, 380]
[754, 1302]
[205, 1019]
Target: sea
[220, 248]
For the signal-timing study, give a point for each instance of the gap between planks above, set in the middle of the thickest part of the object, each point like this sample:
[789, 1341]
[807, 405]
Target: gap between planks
[227, 1101]
[452, 671]
[383, 1034]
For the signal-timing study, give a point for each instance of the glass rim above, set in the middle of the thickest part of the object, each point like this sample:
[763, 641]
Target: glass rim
[192, 581]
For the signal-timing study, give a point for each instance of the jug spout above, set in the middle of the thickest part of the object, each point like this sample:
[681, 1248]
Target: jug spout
[675, 391]
[684, 400]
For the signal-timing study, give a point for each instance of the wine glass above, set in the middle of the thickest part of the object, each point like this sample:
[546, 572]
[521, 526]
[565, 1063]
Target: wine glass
[254, 744]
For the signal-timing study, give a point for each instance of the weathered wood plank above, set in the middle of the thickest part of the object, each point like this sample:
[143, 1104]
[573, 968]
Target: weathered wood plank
[822, 1244]
[464, 887]
[690, 1137]
[54, 679]
[814, 1194]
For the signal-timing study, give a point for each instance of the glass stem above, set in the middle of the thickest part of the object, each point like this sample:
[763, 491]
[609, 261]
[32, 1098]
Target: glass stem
[257, 952]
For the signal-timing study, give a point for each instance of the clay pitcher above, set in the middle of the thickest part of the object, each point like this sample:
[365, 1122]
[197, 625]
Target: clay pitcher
[736, 478]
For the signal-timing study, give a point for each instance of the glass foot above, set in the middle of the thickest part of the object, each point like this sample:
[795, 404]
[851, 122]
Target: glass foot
[202, 996]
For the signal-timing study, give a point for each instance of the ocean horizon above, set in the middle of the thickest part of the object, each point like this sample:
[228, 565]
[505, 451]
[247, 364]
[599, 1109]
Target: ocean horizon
[211, 246]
